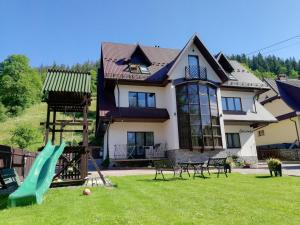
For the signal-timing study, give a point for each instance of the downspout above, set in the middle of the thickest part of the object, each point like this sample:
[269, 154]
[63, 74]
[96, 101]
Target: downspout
[297, 132]
[107, 140]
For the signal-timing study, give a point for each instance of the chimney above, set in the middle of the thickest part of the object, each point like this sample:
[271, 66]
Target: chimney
[281, 77]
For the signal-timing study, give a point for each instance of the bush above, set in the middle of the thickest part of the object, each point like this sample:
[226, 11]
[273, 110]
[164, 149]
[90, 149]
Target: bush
[273, 163]
[2, 112]
[24, 136]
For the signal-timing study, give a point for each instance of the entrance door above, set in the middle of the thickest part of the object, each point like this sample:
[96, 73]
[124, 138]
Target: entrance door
[136, 143]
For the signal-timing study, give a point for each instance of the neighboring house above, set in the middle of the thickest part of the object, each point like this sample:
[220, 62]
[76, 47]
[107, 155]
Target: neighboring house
[283, 101]
[184, 104]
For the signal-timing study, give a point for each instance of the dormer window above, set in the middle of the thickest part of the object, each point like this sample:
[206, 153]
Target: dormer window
[136, 68]
[144, 69]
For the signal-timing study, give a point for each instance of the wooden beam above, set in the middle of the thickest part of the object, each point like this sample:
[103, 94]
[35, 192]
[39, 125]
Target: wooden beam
[53, 132]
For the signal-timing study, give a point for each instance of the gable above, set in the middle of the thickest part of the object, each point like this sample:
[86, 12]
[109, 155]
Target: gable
[195, 43]
[179, 70]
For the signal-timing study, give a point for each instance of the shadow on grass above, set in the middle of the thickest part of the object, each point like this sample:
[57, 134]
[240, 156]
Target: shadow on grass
[264, 176]
[160, 179]
[3, 202]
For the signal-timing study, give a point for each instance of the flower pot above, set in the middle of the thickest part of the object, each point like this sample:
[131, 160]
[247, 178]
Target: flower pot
[277, 170]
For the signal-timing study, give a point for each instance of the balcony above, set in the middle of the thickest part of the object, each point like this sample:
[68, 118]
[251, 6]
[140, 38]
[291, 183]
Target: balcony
[134, 152]
[195, 73]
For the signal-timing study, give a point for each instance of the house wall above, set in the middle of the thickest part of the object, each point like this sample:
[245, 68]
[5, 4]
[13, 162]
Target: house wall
[179, 70]
[278, 107]
[276, 133]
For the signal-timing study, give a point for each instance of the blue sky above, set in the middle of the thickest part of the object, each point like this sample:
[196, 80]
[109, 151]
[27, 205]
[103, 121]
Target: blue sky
[68, 32]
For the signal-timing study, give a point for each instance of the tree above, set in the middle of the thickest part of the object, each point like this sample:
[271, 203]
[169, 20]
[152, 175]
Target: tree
[24, 136]
[20, 84]
[2, 112]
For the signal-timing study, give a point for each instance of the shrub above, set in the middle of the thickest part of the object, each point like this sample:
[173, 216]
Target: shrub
[24, 136]
[2, 112]
[273, 163]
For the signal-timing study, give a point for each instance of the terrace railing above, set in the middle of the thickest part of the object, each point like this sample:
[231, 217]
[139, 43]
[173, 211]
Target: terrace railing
[195, 73]
[124, 151]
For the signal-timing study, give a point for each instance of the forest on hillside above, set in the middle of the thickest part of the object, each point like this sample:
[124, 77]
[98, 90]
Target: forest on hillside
[269, 66]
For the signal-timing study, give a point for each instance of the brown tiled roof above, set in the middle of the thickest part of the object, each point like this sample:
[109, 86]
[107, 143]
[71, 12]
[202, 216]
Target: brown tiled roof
[116, 55]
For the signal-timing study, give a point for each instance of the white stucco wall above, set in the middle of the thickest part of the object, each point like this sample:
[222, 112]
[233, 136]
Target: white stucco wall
[247, 138]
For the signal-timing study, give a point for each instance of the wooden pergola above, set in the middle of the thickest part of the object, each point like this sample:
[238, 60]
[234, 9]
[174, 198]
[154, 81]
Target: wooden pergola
[69, 92]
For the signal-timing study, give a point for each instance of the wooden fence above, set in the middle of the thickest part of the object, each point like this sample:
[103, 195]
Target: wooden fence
[19, 159]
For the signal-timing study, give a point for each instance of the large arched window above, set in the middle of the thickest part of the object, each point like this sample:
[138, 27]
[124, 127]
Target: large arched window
[198, 117]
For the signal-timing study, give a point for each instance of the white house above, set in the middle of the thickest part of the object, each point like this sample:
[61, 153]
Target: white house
[182, 104]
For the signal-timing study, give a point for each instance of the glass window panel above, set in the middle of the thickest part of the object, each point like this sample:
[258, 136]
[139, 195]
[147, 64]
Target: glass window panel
[207, 130]
[192, 89]
[195, 120]
[149, 139]
[205, 120]
[194, 99]
[195, 130]
[202, 89]
[203, 99]
[236, 140]
[151, 99]
[182, 99]
[216, 131]
[204, 110]
[212, 92]
[140, 139]
[141, 99]
[218, 142]
[208, 141]
[196, 141]
[237, 103]
[230, 104]
[229, 141]
[131, 138]
[132, 99]
[181, 90]
[224, 105]
[183, 109]
[215, 120]
[194, 109]
[144, 69]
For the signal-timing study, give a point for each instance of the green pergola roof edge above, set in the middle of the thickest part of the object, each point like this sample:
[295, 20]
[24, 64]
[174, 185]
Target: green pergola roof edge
[67, 81]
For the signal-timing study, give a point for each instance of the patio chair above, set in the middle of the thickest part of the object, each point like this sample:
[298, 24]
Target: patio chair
[165, 165]
[216, 163]
[9, 180]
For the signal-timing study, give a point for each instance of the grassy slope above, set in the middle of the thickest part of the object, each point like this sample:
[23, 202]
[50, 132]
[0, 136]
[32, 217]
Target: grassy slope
[239, 199]
[33, 116]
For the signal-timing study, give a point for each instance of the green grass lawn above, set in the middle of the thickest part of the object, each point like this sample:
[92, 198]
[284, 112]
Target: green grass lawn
[238, 199]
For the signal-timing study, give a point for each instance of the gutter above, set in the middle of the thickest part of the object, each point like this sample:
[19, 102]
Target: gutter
[296, 127]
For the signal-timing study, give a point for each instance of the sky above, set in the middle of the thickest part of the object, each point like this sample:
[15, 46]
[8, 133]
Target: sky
[69, 32]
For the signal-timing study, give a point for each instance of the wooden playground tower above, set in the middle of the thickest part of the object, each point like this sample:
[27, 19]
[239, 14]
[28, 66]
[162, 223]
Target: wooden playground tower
[69, 92]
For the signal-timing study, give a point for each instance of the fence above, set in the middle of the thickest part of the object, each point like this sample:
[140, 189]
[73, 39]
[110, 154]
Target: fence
[19, 159]
[282, 154]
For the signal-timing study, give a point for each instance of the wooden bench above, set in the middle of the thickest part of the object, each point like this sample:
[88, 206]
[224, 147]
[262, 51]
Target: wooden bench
[216, 163]
[9, 180]
[165, 165]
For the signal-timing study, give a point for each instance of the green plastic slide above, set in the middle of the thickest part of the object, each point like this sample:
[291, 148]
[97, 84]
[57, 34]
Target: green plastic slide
[39, 179]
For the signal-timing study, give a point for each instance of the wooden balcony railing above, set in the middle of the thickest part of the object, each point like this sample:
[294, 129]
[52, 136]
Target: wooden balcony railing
[195, 72]
[124, 151]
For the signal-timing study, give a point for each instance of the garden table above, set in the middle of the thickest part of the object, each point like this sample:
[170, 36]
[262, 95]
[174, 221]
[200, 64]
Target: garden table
[186, 165]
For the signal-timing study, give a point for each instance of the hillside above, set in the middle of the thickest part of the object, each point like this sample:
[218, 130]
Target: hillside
[33, 116]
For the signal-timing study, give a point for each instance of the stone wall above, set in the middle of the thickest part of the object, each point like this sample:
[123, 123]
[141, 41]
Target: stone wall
[282, 154]
[182, 155]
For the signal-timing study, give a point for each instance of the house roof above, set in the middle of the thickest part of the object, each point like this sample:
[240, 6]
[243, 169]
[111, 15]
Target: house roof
[67, 81]
[272, 83]
[289, 91]
[116, 55]
[244, 78]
